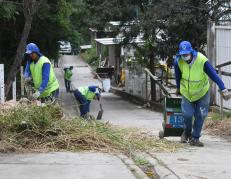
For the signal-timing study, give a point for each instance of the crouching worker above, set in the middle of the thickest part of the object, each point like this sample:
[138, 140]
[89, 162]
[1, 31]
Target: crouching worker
[84, 95]
[40, 71]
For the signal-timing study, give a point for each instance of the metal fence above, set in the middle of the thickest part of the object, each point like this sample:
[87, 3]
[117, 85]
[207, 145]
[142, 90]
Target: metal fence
[223, 55]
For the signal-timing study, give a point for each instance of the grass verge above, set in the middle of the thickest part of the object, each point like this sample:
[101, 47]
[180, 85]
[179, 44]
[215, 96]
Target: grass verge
[215, 126]
[32, 128]
[145, 166]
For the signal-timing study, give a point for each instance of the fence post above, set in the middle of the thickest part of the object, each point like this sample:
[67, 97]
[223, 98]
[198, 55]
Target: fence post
[146, 76]
[211, 53]
[22, 81]
[14, 89]
[221, 99]
[2, 85]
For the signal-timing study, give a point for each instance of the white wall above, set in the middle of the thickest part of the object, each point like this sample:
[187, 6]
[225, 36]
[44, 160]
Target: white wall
[135, 84]
[223, 54]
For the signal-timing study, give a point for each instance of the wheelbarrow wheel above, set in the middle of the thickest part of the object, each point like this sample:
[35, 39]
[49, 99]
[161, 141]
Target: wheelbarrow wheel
[161, 134]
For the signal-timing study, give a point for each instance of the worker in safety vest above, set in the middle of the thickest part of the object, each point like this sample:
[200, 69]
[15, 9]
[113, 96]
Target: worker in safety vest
[85, 95]
[67, 77]
[193, 71]
[40, 71]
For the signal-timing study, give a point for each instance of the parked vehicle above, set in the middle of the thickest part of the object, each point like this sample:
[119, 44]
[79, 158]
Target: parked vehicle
[65, 47]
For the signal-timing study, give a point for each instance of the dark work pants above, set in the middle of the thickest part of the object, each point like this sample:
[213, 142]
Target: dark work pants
[67, 84]
[84, 103]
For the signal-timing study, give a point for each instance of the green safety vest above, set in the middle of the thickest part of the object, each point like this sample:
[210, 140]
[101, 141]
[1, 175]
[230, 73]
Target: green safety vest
[89, 95]
[194, 83]
[36, 73]
[68, 74]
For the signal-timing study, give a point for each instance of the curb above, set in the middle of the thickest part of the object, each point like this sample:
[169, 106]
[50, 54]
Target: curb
[161, 168]
[137, 172]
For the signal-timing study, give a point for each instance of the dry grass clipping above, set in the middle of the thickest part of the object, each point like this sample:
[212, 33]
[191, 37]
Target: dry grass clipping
[31, 128]
[219, 127]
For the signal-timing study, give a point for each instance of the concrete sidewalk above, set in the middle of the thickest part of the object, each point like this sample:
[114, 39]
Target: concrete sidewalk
[66, 100]
[63, 166]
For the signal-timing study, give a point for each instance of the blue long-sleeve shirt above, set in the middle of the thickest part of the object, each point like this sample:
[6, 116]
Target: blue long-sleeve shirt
[208, 69]
[45, 75]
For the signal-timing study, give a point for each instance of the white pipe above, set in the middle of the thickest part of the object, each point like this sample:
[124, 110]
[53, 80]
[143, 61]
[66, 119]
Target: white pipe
[2, 85]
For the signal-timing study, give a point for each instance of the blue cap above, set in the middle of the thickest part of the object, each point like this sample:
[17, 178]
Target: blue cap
[32, 47]
[92, 88]
[185, 47]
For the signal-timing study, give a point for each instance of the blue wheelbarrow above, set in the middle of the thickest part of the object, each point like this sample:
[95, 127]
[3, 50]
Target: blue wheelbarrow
[173, 123]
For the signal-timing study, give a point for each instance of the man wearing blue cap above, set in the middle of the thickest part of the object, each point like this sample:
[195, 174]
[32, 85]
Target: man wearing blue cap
[84, 95]
[40, 71]
[193, 71]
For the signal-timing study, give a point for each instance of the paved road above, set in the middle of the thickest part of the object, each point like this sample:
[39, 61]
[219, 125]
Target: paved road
[116, 110]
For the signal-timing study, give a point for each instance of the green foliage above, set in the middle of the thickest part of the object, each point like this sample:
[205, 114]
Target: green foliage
[140, 160]
[55, 20]
[217, 116]
[91, 57]
[8, 11]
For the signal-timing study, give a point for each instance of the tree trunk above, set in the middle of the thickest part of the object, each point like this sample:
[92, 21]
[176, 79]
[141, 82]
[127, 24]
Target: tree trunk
[18, 58]
[152, 70]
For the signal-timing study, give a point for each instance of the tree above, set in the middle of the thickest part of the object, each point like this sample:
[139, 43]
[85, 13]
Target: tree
[29, 7]
[44, 22]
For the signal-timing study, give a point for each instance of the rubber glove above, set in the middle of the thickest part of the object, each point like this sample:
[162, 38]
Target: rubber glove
[36, 95]
[225, 94]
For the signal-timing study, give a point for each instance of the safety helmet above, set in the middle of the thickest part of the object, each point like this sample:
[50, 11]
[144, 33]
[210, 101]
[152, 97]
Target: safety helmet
[185, 47]
[32, 47]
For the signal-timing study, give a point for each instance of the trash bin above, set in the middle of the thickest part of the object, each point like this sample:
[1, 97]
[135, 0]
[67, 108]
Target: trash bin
[106, 84]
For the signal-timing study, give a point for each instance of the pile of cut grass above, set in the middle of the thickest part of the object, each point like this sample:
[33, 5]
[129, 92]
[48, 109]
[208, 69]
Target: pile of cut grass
[32, 128]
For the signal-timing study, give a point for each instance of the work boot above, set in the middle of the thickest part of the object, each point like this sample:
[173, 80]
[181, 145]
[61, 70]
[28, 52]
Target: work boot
[185, 137]
[196, 142]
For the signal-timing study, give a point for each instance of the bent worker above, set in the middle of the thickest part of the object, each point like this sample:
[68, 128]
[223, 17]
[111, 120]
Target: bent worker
[40, 71]
[67, 77]
[85, 95]
[192, 70]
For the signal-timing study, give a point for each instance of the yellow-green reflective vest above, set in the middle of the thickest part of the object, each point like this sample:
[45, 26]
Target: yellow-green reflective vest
[194, 83]
[89, 95]
[36, 73]
[68, 74]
